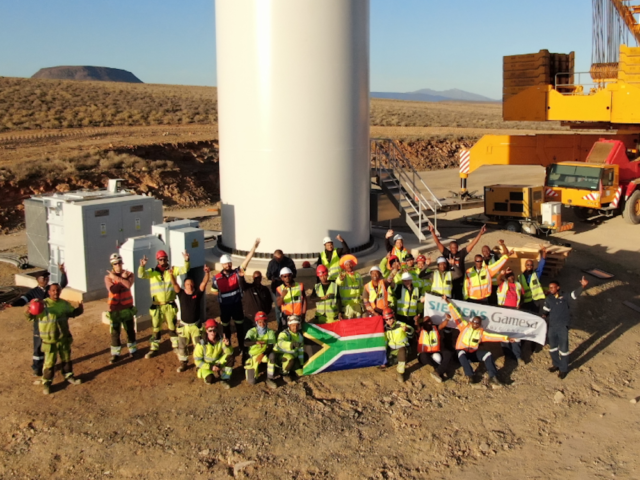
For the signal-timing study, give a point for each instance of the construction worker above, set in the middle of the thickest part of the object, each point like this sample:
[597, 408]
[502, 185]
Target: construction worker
[471, 336]
[189, 324]
[375, 293]
[289, 352]
[397, 248]
[163, 297]
[430, 349]
[510, 293]
[388, 263]
[490, 257]
[558, 315]
[279, 261]
[213, 355]
[39, 293]
[228, 286]
[407, 300]
[291, 297]
[256, 297]
[442, 282]
[530, 280]
[259, 341]
[327, 298]
[120, 310]
[478, 282]
[330, 257]
[397, 336]
[456, 257]
[424, 272]
[52, 315]
[351, 287]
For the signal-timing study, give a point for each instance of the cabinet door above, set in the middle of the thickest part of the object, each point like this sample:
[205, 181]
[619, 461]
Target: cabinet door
[102, 231]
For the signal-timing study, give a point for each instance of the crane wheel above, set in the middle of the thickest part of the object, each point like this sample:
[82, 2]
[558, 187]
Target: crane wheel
[632, 208]
[513, 227]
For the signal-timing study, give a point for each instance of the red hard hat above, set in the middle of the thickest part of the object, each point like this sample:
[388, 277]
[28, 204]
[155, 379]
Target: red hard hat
[211, 323]
[36, 307]
[321, 270]
[306, 265]
[392, 259]
[161, 254]
[387, 313]
[421, 258]
[260, 316]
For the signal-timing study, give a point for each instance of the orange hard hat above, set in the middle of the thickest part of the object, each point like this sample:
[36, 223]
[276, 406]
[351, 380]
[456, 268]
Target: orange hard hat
[260, 316]
[161, 254]
[211, 323]
[322, 270]
[387, 313]
[36, 307]
[348, 258]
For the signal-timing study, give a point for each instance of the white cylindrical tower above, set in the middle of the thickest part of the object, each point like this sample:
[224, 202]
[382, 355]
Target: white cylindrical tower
[293, 109]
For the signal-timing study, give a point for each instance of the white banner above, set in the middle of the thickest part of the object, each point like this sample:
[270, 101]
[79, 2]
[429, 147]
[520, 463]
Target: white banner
[505, 321]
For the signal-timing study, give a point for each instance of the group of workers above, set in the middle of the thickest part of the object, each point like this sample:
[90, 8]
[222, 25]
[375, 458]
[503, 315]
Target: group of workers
[396, 291]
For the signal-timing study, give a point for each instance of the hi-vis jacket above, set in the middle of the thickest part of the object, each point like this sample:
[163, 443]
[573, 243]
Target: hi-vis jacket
[532, 289]
[160, 282]
[269, 339]
[469, 339]
[429, 341]
[477, 284]
[53, 322]
[332, 264]
[207, 354]
[398, 335]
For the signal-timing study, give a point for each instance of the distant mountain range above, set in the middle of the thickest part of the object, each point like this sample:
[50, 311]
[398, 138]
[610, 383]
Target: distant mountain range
[103, 74]
[428, 95]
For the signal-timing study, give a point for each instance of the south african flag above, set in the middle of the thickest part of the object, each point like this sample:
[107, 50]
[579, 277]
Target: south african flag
[346, 344]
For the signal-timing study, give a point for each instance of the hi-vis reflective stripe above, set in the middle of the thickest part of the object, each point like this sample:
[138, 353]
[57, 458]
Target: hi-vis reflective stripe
[465, 161]
[616, 199]
[550, 192]
[592, 197]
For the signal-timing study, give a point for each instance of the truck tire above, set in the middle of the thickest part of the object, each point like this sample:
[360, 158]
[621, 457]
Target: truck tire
[512, 226]
[632, 208]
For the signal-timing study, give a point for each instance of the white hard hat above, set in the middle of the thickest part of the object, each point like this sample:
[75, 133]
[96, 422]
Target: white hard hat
[286, 270]
[326, 240]
[375, 268]
[397, 237]
[441, 260]
[293, 319]
[115, 258]
[225, 259]
[406, 276]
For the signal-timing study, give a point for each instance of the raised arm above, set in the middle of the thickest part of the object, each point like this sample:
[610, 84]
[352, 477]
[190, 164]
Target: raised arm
[475, 241]
[185, 268]
[142, 271]
[205, 280]
[503, 247]
[542, 261]
[249, 256]
[345, 248]
[436, 239]
[176, 287]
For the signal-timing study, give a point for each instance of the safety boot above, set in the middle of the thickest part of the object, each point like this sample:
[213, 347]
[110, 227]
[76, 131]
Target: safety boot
[182, 367]
[437, 377]
[151, 354]
[46, 389]
[493, 382]
[225, 384]
[400, 377]
[563, 375]
[114, 359]
[554, 369]
[466, 380]
[271, 384]
[73, 380]
[287, 379]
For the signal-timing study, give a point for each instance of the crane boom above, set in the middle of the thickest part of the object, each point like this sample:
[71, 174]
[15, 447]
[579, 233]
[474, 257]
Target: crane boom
[627, 13]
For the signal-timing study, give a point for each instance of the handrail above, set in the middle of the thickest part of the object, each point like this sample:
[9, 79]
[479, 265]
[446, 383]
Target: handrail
[405, 173]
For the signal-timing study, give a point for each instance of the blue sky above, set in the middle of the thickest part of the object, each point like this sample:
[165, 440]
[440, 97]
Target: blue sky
[414, 43]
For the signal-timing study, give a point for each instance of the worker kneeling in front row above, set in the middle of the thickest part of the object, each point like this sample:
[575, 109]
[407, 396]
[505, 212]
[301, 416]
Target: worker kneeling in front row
[471, 336]
[397, 335]
[430, 351]
[289, 352]
[260, 341]
[213, 355]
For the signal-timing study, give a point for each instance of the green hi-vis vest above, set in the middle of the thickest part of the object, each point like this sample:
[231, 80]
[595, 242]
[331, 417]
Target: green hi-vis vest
[442, 284]
[53, 322]
[532, 291]
[162, 291]
[269, 338]
[407, 304]
[327, 308]
[397, 337]
[350, 288]
[333, 264]
[504, 288]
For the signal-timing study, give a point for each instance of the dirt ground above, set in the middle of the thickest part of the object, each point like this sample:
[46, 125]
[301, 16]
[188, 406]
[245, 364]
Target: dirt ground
[140, 418]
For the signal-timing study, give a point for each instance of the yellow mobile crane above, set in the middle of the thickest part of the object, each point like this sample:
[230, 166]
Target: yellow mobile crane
[594, 173]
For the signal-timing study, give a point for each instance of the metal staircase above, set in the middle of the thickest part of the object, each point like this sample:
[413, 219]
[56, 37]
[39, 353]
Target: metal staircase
[405, 188]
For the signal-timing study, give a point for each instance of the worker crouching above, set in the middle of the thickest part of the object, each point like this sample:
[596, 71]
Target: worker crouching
[52, 315]
[397, 335]
[289, 352]
[213, 356]
[430, 351]
[260, 341]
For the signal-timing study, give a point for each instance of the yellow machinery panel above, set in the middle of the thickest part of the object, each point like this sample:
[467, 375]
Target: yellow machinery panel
[579, 108]
[514, 201]
[528, 105]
